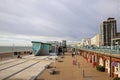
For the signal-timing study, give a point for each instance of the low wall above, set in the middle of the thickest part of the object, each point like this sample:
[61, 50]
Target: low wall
[8, 55]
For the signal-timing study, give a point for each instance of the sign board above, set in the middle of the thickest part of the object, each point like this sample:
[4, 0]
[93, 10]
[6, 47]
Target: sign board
[114, 64]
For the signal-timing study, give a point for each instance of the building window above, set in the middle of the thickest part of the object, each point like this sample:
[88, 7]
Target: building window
[117, 68]
[101, 62]
[107, 64]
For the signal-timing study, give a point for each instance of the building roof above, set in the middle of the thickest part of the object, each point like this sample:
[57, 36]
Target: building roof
[110, 18]
[40, 42]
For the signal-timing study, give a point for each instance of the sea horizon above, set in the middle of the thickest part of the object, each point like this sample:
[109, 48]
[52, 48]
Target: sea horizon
[6, 49]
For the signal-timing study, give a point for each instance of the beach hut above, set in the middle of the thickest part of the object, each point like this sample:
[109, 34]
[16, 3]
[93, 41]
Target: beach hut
[40, 48]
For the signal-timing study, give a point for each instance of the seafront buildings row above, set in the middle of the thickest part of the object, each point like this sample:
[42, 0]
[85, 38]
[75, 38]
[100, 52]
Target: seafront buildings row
[103, 48]
[107, 35]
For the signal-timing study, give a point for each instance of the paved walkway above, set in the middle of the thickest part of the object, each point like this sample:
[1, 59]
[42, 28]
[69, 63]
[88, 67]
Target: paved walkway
[65, 70]
[25, 68]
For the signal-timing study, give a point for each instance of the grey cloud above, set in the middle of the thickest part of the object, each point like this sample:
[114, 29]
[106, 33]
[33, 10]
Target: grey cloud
[70, 19]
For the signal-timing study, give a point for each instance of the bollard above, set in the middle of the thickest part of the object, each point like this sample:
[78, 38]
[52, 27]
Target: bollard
[83, 73]
[78, 64]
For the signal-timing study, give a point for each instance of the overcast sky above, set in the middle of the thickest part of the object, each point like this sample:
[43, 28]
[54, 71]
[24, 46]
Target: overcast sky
[47, 20]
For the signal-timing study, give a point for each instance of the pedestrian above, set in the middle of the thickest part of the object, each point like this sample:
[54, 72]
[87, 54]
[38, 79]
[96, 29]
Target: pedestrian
[59, 50]
[73, 52]
[74, 62]
[94, 64]
[78, 52]
[18, 56]
[63, 51]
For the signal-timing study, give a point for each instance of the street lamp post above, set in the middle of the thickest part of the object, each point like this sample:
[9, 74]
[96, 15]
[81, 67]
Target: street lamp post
[117, 48]
[110, 58]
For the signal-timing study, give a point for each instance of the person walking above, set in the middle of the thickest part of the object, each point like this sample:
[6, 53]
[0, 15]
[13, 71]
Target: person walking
[74, 61]
[59, 51]
[63, 51]
[73, 52]
[94, 64]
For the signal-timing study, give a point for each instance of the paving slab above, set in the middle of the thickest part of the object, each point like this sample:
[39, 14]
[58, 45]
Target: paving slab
[11, 64]
[65, 70]
[14, 70]
[7, 61]
[30, 72]
[24, 68]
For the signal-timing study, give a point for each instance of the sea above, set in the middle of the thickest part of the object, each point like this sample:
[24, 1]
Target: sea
[4, 49]
[8, 45]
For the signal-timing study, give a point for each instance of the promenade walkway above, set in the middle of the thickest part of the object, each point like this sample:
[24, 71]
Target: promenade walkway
[65, 70]
[25, 68]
